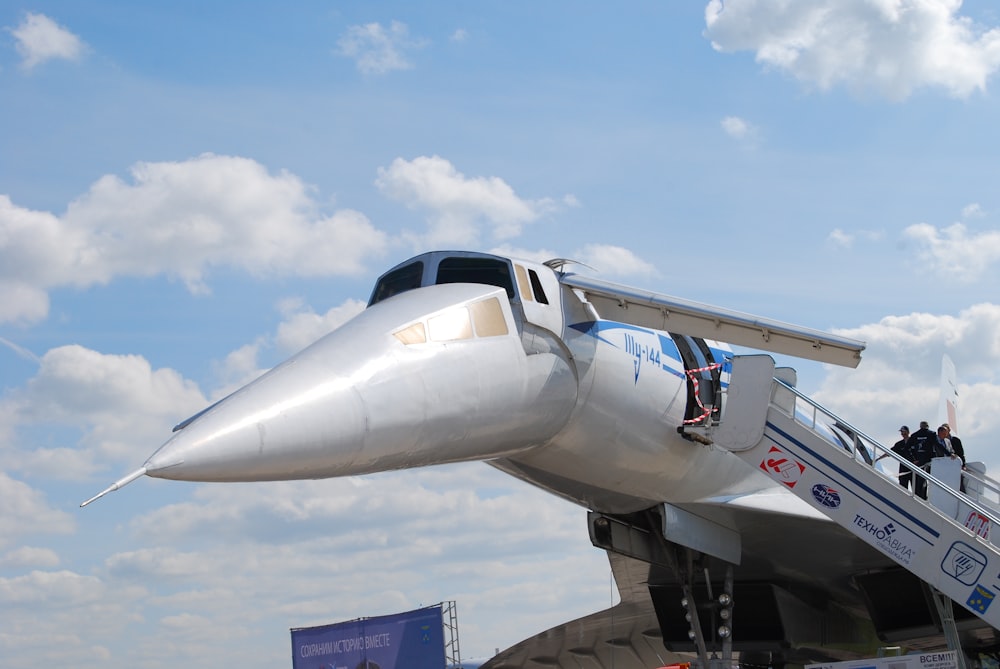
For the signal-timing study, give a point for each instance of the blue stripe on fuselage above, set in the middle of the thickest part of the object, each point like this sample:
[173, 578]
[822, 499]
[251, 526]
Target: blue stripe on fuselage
[599, 329]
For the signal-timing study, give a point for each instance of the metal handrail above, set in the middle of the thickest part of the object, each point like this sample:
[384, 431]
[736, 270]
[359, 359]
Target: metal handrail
[988, 483]
[861, 440]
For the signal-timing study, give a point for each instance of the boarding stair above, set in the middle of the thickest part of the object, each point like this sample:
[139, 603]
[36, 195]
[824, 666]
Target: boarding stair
[944, 540]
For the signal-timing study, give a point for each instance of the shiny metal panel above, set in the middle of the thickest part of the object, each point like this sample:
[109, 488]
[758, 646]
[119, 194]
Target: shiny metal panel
[674, 314]
[360, 400]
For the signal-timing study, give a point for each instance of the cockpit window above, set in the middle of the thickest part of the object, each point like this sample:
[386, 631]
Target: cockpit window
[476, 270]
[412, 334]
[523, 284]
[398, 281]
[450, 325]
[479, 319]
[488, 317]
[536, 284]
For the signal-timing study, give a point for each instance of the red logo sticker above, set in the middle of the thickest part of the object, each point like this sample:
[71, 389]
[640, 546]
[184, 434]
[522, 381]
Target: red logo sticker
[782, 466]
[979, 524]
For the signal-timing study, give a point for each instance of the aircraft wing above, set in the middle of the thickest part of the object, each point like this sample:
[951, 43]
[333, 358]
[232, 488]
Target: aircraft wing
[674, 314]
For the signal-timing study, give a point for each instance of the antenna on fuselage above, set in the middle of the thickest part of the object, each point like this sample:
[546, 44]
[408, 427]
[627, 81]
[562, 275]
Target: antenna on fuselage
[557, 264]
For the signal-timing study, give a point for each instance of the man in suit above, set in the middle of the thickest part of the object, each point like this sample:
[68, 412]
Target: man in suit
[956, 443]
[956, 446]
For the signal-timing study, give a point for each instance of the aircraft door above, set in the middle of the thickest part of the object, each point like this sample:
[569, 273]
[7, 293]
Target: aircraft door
[704, 380]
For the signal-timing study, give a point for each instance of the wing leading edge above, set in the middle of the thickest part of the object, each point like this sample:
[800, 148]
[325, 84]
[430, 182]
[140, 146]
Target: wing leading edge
[674, 314]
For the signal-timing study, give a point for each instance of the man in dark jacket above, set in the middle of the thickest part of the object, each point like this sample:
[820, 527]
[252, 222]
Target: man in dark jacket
[900, 448]
[921, 446]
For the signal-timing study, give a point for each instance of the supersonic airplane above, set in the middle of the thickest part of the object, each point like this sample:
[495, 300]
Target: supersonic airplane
[594, 392]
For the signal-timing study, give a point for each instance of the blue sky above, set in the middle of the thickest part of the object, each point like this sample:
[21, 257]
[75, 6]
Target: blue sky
[190, 192]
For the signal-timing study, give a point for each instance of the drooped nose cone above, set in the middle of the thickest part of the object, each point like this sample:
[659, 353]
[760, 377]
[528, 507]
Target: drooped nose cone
[293, 421]
[367, 398]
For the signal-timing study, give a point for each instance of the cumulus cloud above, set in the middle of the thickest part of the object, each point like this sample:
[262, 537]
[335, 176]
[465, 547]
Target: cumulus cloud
[26, 512]
[604, 258]
[29, 556]
[302, 326]
[239, 368]
[178, 219]
[377, 50]
[424, 535]
[891, 48]
[120, 403]
[39, 39]
[898, 381]
[615, 260]
[59, 616]
[115, 408]
[537, 255]
[455, 204]
[955, 251]
[63, 586]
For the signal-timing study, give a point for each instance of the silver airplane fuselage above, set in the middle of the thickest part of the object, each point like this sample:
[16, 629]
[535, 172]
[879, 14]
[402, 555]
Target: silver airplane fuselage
[524, 375]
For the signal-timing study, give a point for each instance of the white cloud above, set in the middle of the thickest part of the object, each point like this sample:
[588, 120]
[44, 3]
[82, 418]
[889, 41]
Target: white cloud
[423, 535]
[179, 219]
[845, 240]
[27, 513]
[40, 39]
[250, 558]
[840, 238]
[537, 255]
[304, 326]
[740, 130]
[239, 368]
[63, 586]
[61, 616]
[892, 48]
[457, 205]
[301, 327]
[29, 556]
[460, 35]
[119, 402]
[954, 251]
[614, 260]
[376, 50]
[606, 259]
[898, 380]
[973, 210]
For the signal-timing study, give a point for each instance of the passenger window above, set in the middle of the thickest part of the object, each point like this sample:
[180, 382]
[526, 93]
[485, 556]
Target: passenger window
[451, 325]
[398, 281]
[488, 317]
[476, 270]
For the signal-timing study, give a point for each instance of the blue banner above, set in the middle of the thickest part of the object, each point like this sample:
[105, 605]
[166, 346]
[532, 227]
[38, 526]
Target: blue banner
[411, 640]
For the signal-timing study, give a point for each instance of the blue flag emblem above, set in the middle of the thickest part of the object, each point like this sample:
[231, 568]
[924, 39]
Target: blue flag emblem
[980, 599]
